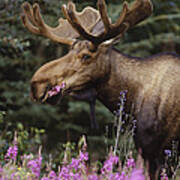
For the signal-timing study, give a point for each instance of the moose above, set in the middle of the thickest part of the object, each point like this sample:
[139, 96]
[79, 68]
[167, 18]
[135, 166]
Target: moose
[94, 69]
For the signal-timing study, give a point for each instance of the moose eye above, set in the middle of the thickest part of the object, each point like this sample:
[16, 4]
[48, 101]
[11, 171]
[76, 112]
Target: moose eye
[86, 57]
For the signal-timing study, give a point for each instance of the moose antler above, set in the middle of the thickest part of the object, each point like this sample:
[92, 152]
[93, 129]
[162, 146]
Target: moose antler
[140, 10]
[63, 33]
[84, 23]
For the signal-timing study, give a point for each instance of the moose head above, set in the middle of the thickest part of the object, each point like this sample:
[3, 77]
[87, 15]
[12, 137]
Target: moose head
[94, 69]
[87, 63]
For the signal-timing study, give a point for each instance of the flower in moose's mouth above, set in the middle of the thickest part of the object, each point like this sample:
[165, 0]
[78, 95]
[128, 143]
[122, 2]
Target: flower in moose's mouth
[56, 90]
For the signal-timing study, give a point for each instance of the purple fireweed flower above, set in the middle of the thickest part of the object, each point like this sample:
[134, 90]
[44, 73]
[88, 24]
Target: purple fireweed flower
[75, 169]
[168, 152]
[69, 174]
[12, 175]
[35, 166]
[137, 174]
[83, 156]
[164, 175]
[115, 176]
[55, 90]
[52, 175]
[93, 177]
[107, 168]
[123, 176]
[130, 163]
[114, 159]
[75, 176]
[164, 178]
[108, 164]
[12, 152]
[64, 173]
[75, 164]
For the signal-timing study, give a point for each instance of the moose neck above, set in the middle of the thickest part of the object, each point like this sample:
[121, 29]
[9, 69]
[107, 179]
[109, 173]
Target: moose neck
[124, 74]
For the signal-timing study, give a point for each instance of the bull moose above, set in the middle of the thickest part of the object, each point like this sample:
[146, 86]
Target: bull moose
[93, 68]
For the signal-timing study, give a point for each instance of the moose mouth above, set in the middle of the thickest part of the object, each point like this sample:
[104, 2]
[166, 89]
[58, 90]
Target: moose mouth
[54, 95]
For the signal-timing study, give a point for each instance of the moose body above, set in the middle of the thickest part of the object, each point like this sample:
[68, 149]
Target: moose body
[153, 92]
[94, 69]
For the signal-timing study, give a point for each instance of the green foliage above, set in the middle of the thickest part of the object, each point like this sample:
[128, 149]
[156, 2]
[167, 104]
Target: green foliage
[29, 138]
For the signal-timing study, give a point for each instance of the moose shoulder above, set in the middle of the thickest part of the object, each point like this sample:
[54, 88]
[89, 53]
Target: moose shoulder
[152, 79]
[94, 69]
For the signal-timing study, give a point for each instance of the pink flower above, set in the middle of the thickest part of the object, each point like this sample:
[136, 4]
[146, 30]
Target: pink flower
[115, 176]
[164, 175]
[123, 176]
[52, 175]
[55, 90]
[83, 156]
[93, 177]
[64, 173]
[109, 163]
[137, 174]
[75, 164]
[12, 152]
[130, 163]
[35, 166]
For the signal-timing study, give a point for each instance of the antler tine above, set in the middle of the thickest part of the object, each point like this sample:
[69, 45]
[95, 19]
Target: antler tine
[28, 25]
[28, 20]
[122, 16]
[28, 10]
[33, 21]
[111, 30]
[70, 14]
[103, 12]
[128, 18]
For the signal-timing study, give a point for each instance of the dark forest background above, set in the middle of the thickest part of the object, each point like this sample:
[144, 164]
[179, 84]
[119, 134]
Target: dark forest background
[22, 53]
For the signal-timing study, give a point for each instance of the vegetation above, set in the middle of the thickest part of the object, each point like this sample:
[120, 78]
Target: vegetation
[75, 162]
[29, 167]
[22, 53]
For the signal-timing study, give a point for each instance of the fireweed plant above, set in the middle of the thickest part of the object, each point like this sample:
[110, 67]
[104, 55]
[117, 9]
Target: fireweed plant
[124, 128]
[120, 163]
[29, 167]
